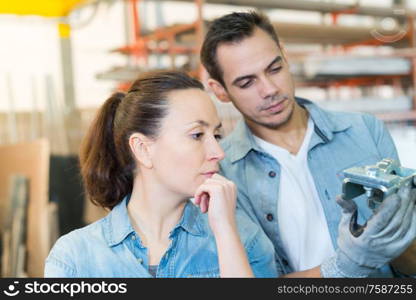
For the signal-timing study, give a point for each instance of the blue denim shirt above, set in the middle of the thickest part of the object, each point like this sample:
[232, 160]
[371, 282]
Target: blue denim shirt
[111, 248]
[339, 141]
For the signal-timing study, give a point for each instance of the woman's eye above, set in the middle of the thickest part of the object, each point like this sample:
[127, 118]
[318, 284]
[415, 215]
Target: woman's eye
[197, 136]
[218, 137]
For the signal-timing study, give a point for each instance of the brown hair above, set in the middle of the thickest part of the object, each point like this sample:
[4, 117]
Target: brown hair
[107, 165]
[231, 28]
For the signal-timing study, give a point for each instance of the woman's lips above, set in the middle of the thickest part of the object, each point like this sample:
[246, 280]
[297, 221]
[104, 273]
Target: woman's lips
[210, 174]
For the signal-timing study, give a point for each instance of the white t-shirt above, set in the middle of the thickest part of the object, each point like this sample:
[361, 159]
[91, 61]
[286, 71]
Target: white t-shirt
[302, 224]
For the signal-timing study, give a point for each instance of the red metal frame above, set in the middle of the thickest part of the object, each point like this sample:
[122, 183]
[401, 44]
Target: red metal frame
[145, 45]
[336, 14]
[356, 81]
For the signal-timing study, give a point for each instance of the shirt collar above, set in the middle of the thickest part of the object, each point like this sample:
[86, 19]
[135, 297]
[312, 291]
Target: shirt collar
[242, 142]
[324, 122]
[325, 125]
[190, 221]
[118, 223]
[119, 226]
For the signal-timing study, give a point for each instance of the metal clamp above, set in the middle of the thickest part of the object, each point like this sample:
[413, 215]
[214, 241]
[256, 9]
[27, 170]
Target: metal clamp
[375, 181]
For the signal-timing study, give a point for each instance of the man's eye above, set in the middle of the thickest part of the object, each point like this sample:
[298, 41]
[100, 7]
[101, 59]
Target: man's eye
[197, 136]
[246, 84]
[218, 137]
[276, 69]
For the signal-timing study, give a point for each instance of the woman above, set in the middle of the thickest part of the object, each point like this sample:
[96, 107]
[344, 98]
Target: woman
[146, 154]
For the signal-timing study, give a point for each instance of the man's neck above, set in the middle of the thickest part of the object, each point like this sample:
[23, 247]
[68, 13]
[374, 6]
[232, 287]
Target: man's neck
[289, 135]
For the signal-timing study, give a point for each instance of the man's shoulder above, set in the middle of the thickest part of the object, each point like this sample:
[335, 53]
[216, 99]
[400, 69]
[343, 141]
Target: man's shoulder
[233, 137]
[343, 114]
[350, 116]
[348, 119]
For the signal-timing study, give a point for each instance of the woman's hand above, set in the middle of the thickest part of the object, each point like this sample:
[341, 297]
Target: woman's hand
[217, 196]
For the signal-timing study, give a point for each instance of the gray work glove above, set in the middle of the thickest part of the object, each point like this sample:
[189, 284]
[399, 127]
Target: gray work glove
[387, 234]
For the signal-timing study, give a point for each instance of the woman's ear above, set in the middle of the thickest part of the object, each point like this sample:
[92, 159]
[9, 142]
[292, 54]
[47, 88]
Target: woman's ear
[218, 90]
[140, 147]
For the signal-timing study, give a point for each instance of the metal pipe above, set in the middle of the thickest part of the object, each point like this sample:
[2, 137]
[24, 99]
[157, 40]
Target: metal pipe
[291, 33]
[325, 7]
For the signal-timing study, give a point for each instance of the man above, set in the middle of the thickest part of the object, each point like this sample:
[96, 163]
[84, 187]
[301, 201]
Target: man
[288, 155]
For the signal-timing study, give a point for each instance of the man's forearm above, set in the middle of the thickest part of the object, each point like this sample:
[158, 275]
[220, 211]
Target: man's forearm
[311, 273]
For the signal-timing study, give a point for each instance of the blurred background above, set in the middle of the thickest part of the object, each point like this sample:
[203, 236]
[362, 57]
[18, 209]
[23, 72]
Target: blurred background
[61, 59]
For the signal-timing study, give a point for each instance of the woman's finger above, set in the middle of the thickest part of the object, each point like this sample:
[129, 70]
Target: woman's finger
[205, 204]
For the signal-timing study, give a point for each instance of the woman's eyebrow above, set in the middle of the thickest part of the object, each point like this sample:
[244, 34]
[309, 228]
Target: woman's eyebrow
[205, 124]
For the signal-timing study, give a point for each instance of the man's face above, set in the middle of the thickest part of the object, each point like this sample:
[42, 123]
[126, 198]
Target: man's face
[257, 80]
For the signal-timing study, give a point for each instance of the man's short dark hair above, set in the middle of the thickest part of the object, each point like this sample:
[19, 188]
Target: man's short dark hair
[231, 28]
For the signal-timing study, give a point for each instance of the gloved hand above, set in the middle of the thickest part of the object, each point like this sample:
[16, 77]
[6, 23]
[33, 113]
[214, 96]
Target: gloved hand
[387, 234]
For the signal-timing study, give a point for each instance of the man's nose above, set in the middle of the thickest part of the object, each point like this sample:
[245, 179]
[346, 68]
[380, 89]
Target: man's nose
[268, 88]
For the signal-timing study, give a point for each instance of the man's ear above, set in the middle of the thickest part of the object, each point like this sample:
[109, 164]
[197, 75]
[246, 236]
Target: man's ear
[218, 90]
[140, 147]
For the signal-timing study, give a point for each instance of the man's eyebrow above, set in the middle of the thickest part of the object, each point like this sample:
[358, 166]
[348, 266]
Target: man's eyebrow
[274, 61]
[241, 78]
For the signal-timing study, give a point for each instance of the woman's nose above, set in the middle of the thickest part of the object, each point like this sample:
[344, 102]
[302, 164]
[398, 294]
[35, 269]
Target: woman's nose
[215, 151]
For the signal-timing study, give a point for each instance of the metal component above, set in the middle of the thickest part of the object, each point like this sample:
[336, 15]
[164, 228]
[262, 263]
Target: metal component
[371, 171]
[376, 181]
[368, 191]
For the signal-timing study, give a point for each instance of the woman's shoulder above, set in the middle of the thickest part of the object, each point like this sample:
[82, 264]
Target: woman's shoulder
[70, 245]
[78, 252]
[88, 232]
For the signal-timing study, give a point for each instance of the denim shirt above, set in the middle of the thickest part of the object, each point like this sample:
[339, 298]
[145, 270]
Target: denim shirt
[110, 247]
[340, 140]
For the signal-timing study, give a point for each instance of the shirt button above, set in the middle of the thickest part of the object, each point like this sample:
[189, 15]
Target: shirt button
[140, 260]
[269, 217]
[272, 174]
[133, 237]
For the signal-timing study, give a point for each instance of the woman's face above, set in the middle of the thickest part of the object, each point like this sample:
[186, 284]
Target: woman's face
[187, 151]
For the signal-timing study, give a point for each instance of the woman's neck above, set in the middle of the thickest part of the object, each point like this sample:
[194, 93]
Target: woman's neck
[153, 210]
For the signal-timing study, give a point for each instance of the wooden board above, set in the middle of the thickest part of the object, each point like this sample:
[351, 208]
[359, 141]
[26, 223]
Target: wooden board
[31, 160]
[14, 243]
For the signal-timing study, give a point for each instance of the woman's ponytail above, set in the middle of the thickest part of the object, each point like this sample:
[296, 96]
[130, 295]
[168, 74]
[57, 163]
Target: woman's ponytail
[105, 179]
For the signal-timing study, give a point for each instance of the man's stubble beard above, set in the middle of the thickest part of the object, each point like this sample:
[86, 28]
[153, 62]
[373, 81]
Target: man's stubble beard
[275, 125]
